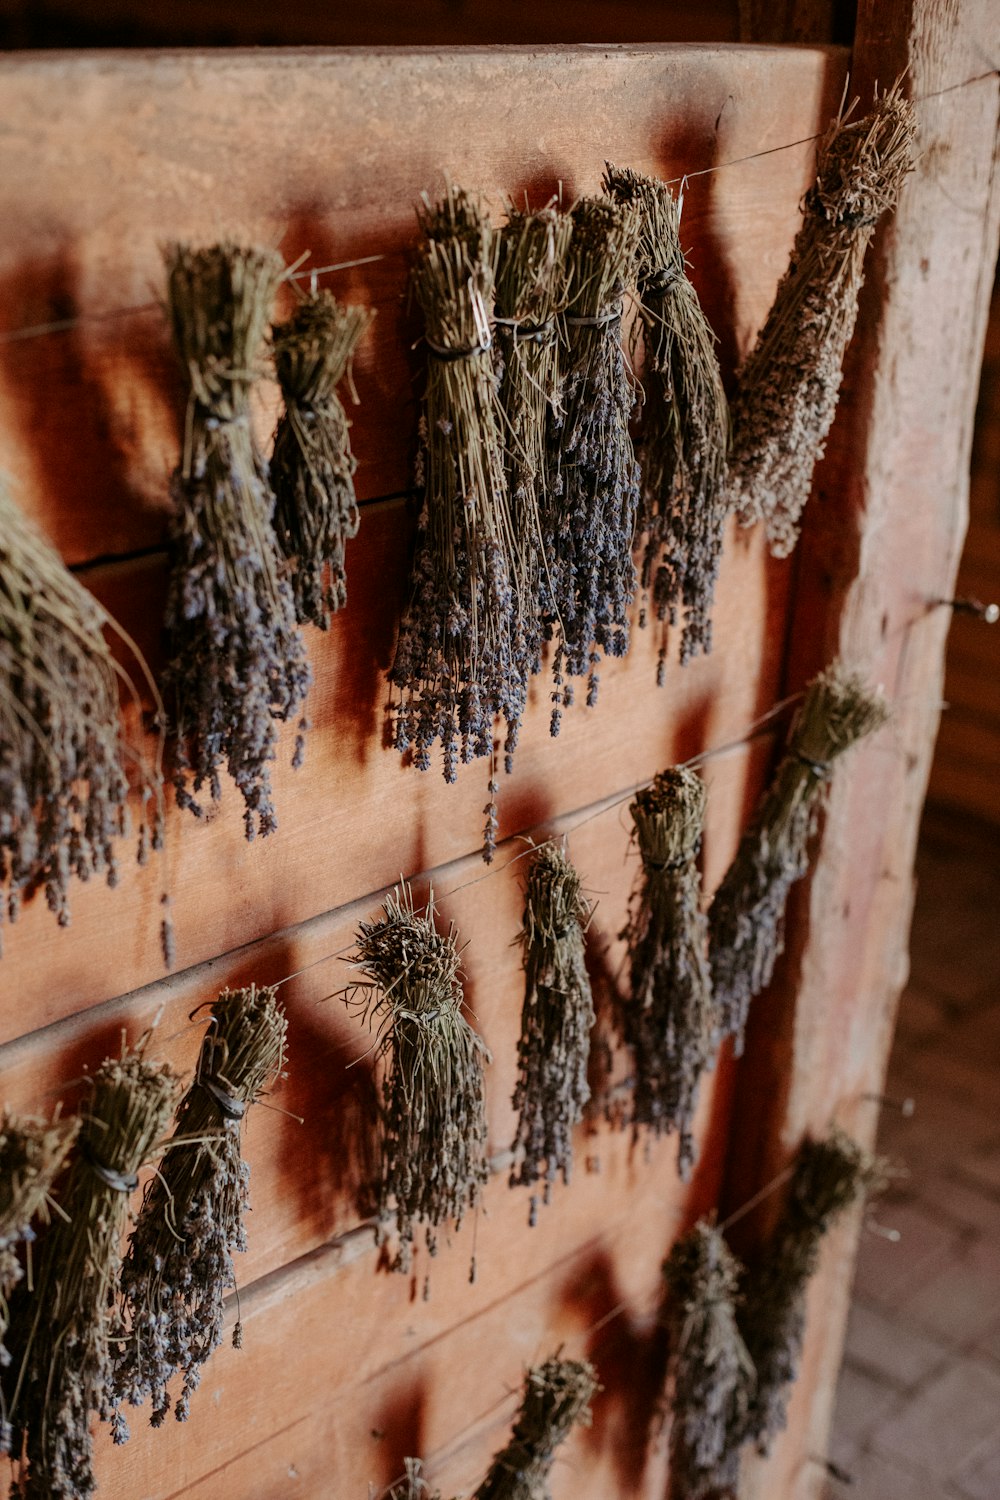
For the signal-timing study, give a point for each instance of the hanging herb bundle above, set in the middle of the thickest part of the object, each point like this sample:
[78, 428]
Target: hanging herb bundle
[746, 918]
[32, 1153]
[556, 1021]
[669, 1019]
[712, 1372]
[556, 1399]
[312, 466]
[830, 1175]
[179, 1264]
[414, 1486]
[461, 660]
[530, 294]
[63, 781]
[237, 658]
[62, 1334]
[788, 388]
[433, 1109]
[590, 512]
[685, 431]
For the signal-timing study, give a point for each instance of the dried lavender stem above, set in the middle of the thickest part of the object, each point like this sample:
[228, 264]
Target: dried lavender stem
[556, 1399]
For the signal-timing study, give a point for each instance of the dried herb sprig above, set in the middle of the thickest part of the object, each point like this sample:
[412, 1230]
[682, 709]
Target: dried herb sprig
[746, 918]
[414, 1486]
[179, 1263]
[683, 451]
[556, 1020]
[237, 659]
[589, 518]
[62, 1334]
[712, 1374]
[531, 292]
[830, 1175]
[461, 661]
[433, 1113]
[788, 388]
[669, 1017]
[312, 466]
[556, 1399]
[32, 1153]
[63, 758]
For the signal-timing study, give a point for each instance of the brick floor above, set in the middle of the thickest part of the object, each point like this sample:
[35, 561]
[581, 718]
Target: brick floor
[918, 1404]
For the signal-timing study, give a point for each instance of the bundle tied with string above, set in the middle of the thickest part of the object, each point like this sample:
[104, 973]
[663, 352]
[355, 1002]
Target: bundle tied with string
[530, 295]
[556, 1398]
[590, 510]
[556, 1020]
[312, 466]
[61, 1336]
[462, 661]
[788, 387]
[432, 1107]
[64, 780]
[668, 1018]
[179, 1264]
[685, 424]
[746, 917]
[830, 1175]
[237, 659]
[712, 1374]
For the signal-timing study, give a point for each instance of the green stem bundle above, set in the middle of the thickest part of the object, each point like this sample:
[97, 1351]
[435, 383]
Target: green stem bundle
[669, 1018]
[433, 1134]
[746, 918]
[237, 659]
[312, 466]
[179, 1264]
[556, 1399]
[789, 386]
[556, 1020]
[685, 426]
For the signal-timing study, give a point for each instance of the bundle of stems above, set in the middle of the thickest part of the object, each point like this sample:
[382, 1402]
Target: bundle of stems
[788, 388]
[62, 1334]
[685, 423]
[556, 1399]
[414, 1486]
[712, 1374]
[237, 659]
[590, 511]
[746, 918]
[32, 1154]
[830, 1175]
[63, 771]
[461, 661]
[669, 1018]
[179, 1263]
[530, 294]
[556, 1020]
[433, 1109]
[312, 466]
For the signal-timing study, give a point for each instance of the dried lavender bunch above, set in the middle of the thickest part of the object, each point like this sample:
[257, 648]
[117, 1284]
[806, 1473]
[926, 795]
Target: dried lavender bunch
[589, 519]
[237, 659]
[669, 1018]
[746, 918]
[556, 1399]
[433, 1115]
[789, 385]
[63, 780]
[179, 1263]
[556, 1021]
[685, 428]
[531, 291]
[712, 1372]
[63, 1332]
[830, 1175]
[461, 660]
[312, 466]
[32, 1153]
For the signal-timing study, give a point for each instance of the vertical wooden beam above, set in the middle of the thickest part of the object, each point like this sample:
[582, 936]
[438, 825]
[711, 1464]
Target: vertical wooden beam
[883, 536]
